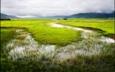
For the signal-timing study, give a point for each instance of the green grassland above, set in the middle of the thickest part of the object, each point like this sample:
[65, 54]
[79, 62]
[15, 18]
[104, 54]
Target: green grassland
[43, 33]
[106, 25]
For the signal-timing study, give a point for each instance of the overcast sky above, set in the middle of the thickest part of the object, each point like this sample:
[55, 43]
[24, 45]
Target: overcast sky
[28, 8]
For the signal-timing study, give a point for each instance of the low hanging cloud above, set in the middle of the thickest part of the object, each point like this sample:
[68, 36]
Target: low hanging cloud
[54, 7]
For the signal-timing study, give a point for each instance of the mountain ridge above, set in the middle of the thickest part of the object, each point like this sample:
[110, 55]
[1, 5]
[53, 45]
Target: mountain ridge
[79, 15]
[5, 16]
[93, 15]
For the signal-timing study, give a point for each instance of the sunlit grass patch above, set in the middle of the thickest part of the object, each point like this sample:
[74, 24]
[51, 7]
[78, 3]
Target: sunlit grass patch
[59, 36]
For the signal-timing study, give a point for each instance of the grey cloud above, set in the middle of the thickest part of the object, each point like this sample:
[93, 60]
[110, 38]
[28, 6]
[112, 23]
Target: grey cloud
[54, 7]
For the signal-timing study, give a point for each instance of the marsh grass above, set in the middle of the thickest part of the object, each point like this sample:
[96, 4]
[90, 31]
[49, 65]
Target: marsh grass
[103, 62]
[57, 36]
[43, 33]
[6, 35]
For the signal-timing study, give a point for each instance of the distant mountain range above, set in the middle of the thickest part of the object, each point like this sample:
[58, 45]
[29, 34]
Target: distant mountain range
[93, 15]
[79, 15]
[4, 16]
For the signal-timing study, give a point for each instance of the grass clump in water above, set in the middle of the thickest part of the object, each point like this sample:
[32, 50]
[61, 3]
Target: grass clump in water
[58, 36]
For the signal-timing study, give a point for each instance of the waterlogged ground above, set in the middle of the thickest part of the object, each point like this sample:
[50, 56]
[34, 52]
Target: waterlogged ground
[92, 53]
[34, 49]
[24, 47]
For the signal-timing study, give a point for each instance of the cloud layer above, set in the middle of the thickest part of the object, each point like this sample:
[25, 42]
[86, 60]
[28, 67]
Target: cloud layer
[54, 7]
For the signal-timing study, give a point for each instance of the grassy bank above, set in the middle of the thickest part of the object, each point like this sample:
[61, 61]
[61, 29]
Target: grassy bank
[6, 35]
[106, 25]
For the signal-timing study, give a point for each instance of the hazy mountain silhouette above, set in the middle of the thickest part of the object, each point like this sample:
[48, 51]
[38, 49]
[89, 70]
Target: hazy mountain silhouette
[93, 15]
[4, 16]
[79, 15]
[87, 15]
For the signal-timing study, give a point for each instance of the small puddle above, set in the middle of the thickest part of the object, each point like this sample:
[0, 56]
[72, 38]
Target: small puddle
[23, 46]
[69, 27]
